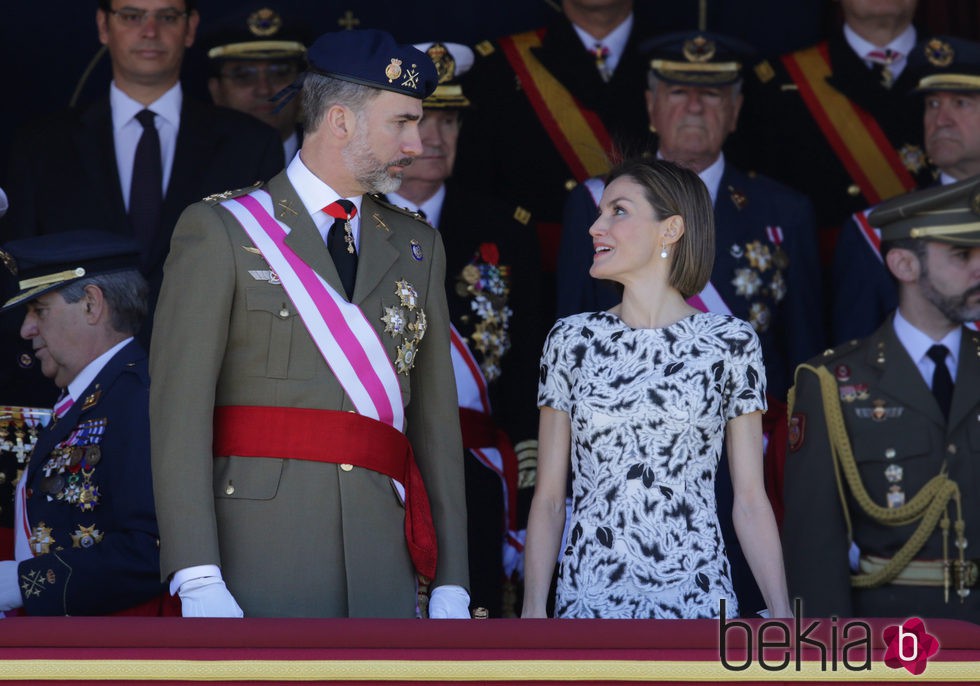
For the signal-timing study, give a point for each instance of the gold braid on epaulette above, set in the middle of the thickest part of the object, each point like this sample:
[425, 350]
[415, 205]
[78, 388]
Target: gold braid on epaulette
[930, 504]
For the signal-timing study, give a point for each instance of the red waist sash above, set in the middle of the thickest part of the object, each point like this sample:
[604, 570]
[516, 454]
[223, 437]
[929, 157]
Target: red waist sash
[338, 438]
[479, 431]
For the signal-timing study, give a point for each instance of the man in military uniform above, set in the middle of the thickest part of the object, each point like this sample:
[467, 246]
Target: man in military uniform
[832, 120]
[566, 97]
[85, 536]
[253, 54]
[491, 285]
[303, 404]
[881, 476]
[948, 78]
[765, 268]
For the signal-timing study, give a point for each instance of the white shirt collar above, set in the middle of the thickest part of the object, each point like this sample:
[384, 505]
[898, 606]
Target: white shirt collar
[85, 377]
[903, 44]
[431, 208]
[125, 109]
[615, 41]
[315, 195]
[710, 176]
[945, 179]
[917, 344]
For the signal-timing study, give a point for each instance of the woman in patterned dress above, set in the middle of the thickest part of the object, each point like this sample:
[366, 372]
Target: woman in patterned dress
[638, 401]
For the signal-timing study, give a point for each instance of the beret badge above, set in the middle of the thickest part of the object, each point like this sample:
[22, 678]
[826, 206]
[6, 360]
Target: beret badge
[393, 70]
[939, 53]
[264, 22]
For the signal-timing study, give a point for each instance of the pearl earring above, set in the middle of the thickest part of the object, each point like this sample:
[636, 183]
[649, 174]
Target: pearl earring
[663, 251]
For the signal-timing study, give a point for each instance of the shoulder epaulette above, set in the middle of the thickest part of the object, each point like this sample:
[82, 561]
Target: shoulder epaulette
[227, 195]
[484, 48]
[837, 351]
[381, 200]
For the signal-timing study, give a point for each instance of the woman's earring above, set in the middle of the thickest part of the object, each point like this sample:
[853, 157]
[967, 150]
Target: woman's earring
[663, 250]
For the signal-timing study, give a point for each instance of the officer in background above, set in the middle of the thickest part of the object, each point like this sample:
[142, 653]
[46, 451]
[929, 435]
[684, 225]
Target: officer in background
[948, 79]
[85, 537]
[253, 54]
[491, 286]
[882, 485]
[832, 120]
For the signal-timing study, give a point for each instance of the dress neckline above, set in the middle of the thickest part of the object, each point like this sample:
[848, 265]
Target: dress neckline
[683, 320]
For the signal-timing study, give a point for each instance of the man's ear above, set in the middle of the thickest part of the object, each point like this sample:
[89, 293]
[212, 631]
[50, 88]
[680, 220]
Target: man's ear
[340, 121]
[95, 304]
[903, 264]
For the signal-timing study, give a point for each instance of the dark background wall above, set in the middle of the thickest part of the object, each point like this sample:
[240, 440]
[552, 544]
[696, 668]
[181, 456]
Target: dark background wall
[46, 47]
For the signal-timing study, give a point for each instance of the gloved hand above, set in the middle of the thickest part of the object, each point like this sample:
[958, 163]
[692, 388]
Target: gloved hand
[10, 597]
[449, 602]
[207, 596]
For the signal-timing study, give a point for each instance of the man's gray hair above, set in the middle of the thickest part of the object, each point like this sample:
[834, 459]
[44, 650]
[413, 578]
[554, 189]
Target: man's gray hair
[126, 293]
[320, 93]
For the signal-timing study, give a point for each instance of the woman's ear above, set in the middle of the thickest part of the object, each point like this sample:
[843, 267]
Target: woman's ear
[673, 228]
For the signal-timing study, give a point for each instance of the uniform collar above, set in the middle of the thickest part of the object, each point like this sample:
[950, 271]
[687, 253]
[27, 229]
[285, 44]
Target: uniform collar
[431, 208]
[917, 344]
[315, 195]
[903, 44]
[77, 386]
[615, 41]
[125, 108]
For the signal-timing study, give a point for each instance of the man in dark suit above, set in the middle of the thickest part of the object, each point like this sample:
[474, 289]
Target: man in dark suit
[882, 485]
[94, 167]
[947, 72]
[491, 285]
[765, 268]
[832, 120]
[85, 540]
[312, 306]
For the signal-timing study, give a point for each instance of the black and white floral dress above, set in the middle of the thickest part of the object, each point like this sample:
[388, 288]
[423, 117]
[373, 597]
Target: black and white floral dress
[648, 410]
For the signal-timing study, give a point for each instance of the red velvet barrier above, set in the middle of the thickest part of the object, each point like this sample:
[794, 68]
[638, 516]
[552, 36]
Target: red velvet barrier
[358, 651]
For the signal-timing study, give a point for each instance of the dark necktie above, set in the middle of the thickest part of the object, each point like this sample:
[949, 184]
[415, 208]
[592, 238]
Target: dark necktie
[601, 53]
[146, 190]
[942, 382]
[340, 242]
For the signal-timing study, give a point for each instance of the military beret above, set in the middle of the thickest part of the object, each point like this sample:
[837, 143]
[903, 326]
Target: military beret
[946, 64]
[452, 60]
[258, 31]
[696, 58]
[950, 214]
[40, 264]
[372, 58]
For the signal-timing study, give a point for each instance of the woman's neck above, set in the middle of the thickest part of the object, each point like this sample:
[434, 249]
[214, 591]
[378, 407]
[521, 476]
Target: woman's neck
[652, 306]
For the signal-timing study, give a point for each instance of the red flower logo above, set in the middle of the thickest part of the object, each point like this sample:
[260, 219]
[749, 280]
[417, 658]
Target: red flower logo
[489, 253]
[909, 646]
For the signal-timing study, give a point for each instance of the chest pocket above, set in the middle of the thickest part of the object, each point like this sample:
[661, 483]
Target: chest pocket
[274, 326]
[902, 453]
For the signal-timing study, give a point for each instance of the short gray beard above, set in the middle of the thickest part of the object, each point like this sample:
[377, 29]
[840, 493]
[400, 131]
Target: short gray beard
[953, 307]
[368, 170]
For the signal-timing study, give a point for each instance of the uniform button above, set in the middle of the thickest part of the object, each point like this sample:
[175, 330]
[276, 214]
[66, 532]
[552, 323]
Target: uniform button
[951, 448]
[890, 453]
[229, 489]
[3, 478]
[570, 184]
[347, 467]
[284, 313]
[853, 190]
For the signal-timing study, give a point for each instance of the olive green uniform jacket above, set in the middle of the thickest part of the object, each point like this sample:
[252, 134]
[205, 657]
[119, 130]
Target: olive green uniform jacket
[900, 441]
[293, 537]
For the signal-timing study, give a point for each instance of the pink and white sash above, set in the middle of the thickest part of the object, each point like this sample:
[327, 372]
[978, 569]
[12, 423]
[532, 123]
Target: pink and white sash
[350, 345]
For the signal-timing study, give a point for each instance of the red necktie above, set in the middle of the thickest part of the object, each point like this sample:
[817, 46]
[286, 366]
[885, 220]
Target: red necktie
[340, 242]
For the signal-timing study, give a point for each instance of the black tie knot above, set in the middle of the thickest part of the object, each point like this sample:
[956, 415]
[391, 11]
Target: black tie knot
[145, 118]
[346, 205]
[942, 380]
[938, 353]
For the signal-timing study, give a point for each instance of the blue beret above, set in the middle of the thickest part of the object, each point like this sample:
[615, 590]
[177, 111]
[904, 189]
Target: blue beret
[946, 64]
[373, 58]
[696, 58]
[45, 263]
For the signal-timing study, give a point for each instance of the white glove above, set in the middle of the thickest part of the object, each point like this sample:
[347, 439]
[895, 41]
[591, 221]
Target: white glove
[10, 597]
[449, 602]
[207, 596]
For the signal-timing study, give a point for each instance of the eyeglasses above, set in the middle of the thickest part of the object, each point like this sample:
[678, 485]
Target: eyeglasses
[131, 18]
[246, 75]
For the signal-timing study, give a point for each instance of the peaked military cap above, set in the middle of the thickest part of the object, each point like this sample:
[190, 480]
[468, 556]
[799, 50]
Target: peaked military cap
[946, 64]
[258, 31]
[452, 60]
[372, 58]
[950, 214]
[40, 264]
[697, 58]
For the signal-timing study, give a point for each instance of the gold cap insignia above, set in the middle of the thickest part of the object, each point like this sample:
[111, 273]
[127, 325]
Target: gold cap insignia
[264, 22]
[443, 59]
[939, 53]
[8, 261]
[393, 70]
[699, 49]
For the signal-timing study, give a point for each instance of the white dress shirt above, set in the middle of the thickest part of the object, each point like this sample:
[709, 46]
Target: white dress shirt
[315, 195]
[615, 41]
[431, 208]
[903, 44]
[917, 344]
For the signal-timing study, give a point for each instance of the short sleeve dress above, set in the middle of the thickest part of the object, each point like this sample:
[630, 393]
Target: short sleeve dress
[648, 410]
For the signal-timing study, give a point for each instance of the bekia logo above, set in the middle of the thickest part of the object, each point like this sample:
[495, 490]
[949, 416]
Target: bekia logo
[776, 645]
[909, 646]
